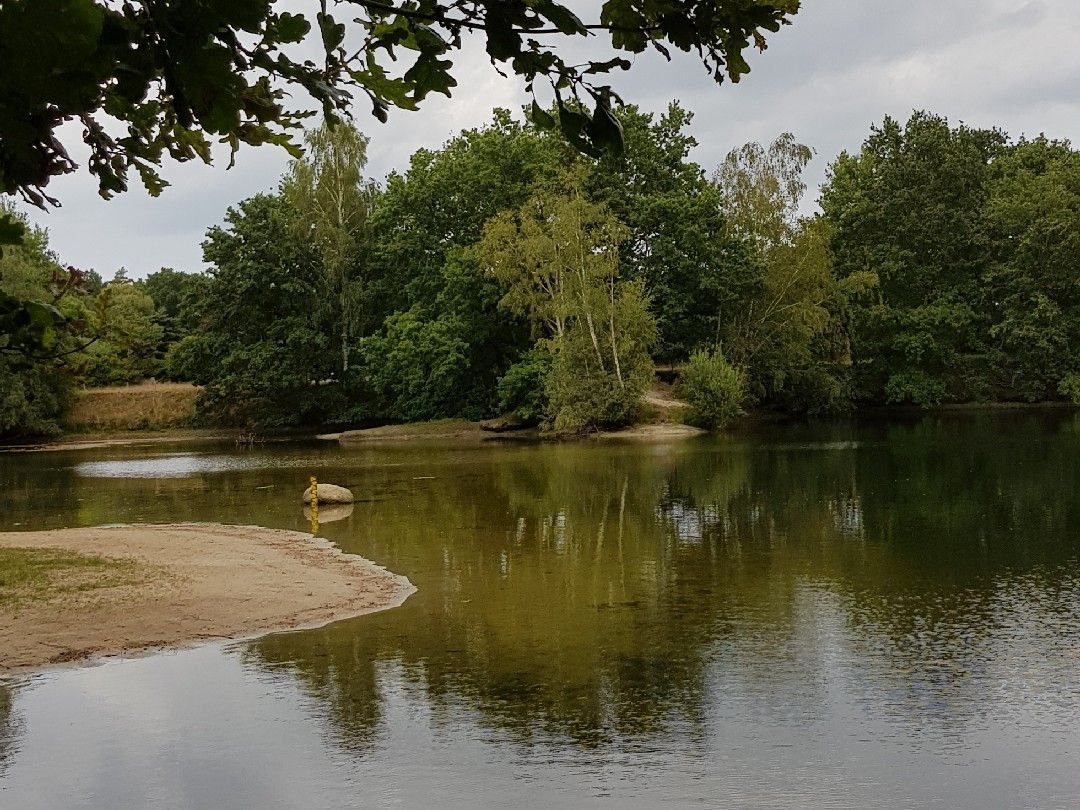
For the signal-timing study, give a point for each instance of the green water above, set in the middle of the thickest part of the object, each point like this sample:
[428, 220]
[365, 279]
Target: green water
[871, 614]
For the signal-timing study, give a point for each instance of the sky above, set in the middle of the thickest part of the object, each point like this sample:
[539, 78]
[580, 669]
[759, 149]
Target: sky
[839, 69]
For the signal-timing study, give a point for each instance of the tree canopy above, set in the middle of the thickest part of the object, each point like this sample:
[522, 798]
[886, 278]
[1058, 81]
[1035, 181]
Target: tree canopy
[177, 76]
[506, 273]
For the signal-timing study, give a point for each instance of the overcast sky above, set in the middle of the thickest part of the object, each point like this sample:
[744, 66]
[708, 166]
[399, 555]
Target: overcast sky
[840, 68]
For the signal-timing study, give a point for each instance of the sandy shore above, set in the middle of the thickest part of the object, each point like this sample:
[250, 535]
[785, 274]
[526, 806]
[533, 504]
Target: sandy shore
[194, 582]
[652, 432]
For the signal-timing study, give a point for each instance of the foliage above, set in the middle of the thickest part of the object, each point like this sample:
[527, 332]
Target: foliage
[420, 230]
[971, 240]
[176, 298]
[416, 367]
[1032, 288]
[46, 312]
[264, 349]
[31, 399]
[679, 240]
[762, 188]
[521, 388]
[178, 75]
[1069, 387]
[713, 387]
[331, 201]
[557, 258]
[441, 203]
[786, 332]
[598, 381]
[508, 272]
[127, 336]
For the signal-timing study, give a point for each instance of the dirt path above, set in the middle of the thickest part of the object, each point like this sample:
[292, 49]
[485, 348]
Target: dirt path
[193, 582]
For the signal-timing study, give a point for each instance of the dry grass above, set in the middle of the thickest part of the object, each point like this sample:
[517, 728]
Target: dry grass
[133, 407]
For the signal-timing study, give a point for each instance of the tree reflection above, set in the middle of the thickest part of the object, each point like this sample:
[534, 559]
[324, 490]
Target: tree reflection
[615, 594]
[10, 728]
[604, 594]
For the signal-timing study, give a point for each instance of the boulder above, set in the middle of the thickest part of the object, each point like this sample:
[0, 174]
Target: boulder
[330, 493]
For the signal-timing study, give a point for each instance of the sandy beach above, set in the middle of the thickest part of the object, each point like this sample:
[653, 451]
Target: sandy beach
[183, 584]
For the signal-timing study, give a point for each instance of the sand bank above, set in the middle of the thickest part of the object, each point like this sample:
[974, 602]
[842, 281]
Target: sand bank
[184, 584]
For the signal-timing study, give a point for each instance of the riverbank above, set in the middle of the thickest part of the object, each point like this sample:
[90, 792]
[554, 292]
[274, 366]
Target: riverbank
[147, 587]
[123, 438]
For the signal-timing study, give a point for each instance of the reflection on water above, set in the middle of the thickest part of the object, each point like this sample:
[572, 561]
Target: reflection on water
[878, 614]
[172, 466]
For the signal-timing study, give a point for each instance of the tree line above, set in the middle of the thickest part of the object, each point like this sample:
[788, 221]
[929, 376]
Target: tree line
[508, 272]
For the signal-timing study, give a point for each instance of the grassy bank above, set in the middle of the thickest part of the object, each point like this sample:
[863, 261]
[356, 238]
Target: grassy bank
[133, 407]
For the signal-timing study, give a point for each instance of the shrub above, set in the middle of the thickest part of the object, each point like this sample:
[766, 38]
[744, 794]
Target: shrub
[916, 387]
[1069, 387]
[521, 388]
[713, 388]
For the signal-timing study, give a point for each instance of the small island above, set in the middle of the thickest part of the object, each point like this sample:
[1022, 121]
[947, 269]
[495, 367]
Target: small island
[75, 594]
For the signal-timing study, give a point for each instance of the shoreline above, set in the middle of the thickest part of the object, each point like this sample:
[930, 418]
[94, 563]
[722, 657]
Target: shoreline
[198, 583]
[462, 431]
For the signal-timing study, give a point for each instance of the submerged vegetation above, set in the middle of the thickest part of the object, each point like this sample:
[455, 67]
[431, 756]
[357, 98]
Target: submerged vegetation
[506, 272]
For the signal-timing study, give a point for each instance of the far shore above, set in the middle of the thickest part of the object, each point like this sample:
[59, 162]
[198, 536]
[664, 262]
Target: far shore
[665, 426]
[177, 585]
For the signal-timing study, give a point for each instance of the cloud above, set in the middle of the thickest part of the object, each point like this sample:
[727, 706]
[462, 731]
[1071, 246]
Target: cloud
[839, 69]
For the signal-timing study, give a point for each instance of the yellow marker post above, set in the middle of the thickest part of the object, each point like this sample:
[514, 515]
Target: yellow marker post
[314, 506]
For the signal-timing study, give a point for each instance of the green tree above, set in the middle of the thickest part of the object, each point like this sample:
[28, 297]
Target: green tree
[127, 336]
[787, 333]
[713, 387]
[679, 242]
[557, 258]
[762, 188]
[175, 295]
[33, 382]
[423, 271]
[1031, 291]
[331, 202]
[907, 210]
[265, 350]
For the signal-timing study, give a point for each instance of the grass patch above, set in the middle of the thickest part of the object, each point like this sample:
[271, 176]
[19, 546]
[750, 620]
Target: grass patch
[133, 407]
[45, 574]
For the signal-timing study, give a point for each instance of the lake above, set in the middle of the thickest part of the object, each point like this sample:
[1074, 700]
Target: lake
[871, 613]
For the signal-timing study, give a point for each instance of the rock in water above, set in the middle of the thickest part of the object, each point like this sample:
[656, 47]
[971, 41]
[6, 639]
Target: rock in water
[329, 493]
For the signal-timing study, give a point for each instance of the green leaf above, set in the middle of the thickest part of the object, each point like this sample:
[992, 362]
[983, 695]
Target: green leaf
[503, 42]
[604, 129]
[333, 33]
[289, 28]
[560, 16]
[541, 118]
[574, 125]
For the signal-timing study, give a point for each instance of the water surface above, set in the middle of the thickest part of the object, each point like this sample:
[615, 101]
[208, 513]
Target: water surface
[870, 614]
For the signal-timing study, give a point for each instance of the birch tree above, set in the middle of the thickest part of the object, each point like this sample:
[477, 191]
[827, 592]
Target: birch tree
[558, 259]
[331, 202]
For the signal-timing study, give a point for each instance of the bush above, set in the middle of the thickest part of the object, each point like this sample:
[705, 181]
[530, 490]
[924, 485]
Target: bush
[916, 387]
[419, 369]
[32, 399]
[521, 388]
[1069, 387]
[713, 388]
